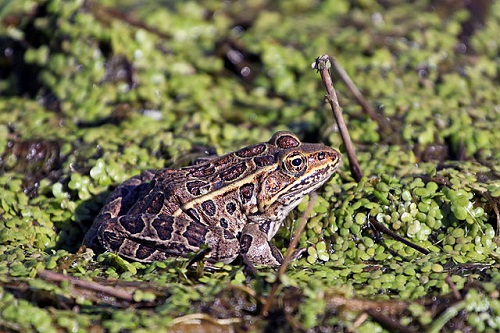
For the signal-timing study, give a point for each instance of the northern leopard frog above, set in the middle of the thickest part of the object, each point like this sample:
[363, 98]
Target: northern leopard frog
[234, 203]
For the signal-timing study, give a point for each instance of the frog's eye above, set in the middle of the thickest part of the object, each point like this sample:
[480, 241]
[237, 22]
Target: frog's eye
[295, 163]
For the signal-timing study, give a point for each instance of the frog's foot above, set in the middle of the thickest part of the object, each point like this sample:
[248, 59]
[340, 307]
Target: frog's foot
[198, 257]
[248, 267]
[297, 254]
[256, 248]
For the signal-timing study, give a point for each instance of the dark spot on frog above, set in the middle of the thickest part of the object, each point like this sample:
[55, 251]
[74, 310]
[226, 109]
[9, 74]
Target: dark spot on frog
[245, 243]
[233, 172]
[197, 187]
[246, 192]
[143, 252]
[195, 234]
[228, 235]
[156, 203]
[230, 208]
[193, 214]
[112, 240]
[223, 223]
[262, 161]
[287, 141]
[203, 170]
[132, 223]
[251, 151]
[321, 156]
[209, 207]
[164, 227]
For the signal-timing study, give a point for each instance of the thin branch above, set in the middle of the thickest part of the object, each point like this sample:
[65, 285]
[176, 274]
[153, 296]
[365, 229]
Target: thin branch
[382, 228]
[107, 14]
[289, 253]
[358, 322]
[392, 324]
[196, 318]
[389, 307]
[323, 65]
[453, 288]
[88, 285]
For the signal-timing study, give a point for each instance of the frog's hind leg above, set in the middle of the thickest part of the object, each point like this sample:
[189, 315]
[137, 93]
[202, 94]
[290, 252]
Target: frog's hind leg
[118, 203]
[125, 195]
[149, 237]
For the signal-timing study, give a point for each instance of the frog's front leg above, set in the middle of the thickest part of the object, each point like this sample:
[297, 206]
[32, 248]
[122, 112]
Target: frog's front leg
[257, 249]
[149, 237]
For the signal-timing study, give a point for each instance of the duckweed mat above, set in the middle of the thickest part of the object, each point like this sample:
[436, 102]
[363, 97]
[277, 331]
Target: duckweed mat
[94, 92]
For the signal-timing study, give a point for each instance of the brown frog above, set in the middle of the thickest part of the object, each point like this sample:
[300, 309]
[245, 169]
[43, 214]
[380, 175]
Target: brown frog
[234, 204]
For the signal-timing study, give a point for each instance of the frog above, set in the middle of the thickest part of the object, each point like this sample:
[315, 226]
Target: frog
[230, 205]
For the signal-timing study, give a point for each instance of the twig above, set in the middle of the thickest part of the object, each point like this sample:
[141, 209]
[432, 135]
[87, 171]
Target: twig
[323, 65]
[106, 14]
[390, 323]
[197, 317]
[374, 309]
[382, 228]
[289, 253]
[389, 307]
[453, 288]
[358, 322]
[89, 285]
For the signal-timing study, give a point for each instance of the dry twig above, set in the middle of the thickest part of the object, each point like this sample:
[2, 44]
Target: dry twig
[323, 65]
[382, 228]
[196, 318]
[453, 288]
[392, 324]
[88, 285]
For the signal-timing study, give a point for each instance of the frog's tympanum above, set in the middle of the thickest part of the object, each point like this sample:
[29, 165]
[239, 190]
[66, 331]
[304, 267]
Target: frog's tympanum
[234, 204]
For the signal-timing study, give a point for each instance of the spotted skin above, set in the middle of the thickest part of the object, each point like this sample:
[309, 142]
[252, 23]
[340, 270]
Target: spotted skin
[234, 204]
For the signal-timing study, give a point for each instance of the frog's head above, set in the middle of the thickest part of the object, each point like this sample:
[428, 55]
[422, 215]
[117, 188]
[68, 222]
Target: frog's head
[301, 168]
